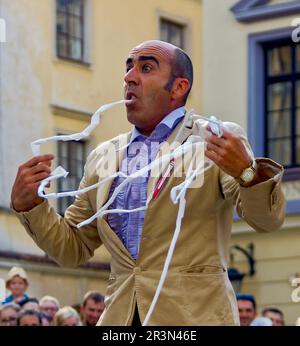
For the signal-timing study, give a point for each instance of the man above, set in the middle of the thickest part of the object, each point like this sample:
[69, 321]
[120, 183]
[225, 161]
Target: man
[49, 305]
[197, 290]
[9, 314]
[30, 304]
[29, 318]
[247, 308]
[92, 308]
[275, 315]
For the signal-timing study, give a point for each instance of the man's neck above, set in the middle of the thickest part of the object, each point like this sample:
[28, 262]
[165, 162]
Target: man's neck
[147, 131]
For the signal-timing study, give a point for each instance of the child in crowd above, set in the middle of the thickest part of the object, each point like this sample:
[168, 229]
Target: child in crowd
[17, 283]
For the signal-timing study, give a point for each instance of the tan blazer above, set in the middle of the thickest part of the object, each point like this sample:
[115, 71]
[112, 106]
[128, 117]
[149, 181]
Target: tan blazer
[197, 290]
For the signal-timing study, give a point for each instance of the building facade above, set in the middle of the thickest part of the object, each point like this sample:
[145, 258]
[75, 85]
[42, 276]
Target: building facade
[60, 61]
[251, 66]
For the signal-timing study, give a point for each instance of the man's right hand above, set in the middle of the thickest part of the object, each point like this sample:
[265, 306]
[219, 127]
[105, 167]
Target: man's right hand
[24, 195]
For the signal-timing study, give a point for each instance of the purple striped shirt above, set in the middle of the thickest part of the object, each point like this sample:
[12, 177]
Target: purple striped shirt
[141, 151]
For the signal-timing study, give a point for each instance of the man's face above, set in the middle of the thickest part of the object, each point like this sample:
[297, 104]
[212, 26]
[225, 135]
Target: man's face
[31, 306]
[246, 311]
[91, 312]
[49, 308]
[29, 320]
[8, 317]
[71, 322]
[148, 72]
[275, 317]
[17, 286]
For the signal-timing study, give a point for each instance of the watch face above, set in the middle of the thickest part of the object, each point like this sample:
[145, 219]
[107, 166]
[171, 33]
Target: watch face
[247, 175]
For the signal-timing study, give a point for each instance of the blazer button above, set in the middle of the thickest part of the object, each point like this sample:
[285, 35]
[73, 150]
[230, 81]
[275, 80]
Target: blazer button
[136, 270]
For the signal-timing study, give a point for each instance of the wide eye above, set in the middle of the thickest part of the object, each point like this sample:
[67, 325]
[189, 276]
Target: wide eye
[146, 68]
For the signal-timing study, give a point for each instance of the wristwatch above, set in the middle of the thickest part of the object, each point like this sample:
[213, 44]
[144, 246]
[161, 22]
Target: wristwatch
[248, 174]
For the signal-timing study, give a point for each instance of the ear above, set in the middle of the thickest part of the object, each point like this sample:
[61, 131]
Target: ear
[180, 88]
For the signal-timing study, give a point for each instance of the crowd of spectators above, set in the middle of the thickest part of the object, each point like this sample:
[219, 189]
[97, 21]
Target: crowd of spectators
[249, 316]
[18, 309]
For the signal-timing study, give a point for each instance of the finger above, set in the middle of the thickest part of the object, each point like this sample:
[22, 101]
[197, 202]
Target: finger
[213, 156]
[48, 163]
[40, 167]
[218, 150]
[213, 139]
[36, 159]
[226, 134]
[37, 177]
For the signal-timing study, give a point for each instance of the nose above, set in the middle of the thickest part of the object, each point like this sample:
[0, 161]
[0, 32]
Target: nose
[95, 315]
[131, 76]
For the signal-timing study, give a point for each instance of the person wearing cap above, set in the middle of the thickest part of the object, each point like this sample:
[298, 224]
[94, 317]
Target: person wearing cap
[17, 283]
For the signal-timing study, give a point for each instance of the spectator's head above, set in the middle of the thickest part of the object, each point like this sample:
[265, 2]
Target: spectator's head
[261, 322]
[29, 318]
[247, 308]
[49, 305]
[30, 304]
[67, 316]
[17, 281]
[92, 308]
[275, 315]
[9, 314]
[46, 319]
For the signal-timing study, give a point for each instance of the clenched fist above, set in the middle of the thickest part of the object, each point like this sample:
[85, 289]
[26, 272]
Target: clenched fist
[24, 195]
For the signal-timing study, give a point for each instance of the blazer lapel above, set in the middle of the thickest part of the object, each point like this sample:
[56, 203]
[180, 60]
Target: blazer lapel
[119, 150]
[119, 153]
[180, 134]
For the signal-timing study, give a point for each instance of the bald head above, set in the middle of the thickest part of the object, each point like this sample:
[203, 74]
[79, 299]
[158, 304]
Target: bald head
[157, 81]
[180, 62]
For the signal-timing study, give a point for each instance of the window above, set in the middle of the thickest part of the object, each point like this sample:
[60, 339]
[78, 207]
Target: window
[268, 103]
[71, 155]
[172, 32]
[70, 29]
[282, 103]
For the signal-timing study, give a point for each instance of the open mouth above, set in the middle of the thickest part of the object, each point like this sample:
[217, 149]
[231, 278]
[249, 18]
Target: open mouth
[130, 98]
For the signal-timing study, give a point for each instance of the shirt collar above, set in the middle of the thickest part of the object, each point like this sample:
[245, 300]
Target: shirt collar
[168, 120]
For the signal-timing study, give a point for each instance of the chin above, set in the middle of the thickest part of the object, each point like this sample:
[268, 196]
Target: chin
[133, 117]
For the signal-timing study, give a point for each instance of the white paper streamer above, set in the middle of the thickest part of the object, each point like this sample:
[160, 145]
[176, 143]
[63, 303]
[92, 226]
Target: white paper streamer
[177, 193]
[95, 120]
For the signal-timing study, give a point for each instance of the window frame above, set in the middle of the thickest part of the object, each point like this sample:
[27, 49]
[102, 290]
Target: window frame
[185, 22]
[82, 39]
[83, 143]
[174, 23]
[256, 100]
[293, 77]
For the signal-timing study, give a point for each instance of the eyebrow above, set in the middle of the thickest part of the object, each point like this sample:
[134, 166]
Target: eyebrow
[143, 58]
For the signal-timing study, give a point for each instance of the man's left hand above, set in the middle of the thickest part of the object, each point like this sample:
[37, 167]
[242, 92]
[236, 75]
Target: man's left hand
[229, 153]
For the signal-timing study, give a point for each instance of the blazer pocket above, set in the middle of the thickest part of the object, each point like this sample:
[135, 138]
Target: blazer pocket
[205, 269]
